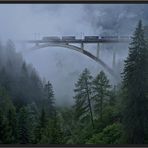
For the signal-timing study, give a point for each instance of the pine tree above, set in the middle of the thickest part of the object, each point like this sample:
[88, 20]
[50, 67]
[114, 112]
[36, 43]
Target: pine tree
[42, 123]
[5, 130]
[12, 122]
[43, 119]
[49, 100]
[100, 92]
[83, 97]
[33, 113]
[57, 137]
[23, 127]
[52, 133]
[24, 87]
[1, 127]
[135, 86]
[36, 87]
[112, 96]
[6, 106]
[4, 79]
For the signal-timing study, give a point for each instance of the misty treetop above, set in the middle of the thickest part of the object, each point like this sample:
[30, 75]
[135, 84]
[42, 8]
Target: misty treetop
[18, 77]
[135, 87]
[102, 113]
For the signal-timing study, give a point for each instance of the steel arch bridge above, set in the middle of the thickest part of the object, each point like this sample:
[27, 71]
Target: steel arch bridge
[39, 44]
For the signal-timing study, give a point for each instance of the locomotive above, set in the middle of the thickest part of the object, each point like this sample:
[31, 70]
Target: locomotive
[91, 38]
[51, 38]
[68, 38]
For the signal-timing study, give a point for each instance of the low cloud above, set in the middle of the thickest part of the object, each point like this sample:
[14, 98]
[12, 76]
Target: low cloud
[63, 66]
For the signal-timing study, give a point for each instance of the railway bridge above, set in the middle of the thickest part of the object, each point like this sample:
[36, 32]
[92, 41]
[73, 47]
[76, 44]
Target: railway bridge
[72, 42]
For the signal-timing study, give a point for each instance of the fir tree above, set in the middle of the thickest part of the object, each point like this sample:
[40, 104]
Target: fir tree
[33, 113]
[112, 96]
[12, 122]
[49, 100]
[42, 123]
[5, 130]
[6, 107]
[23, 126]
[135, 86]
[52, 133]
[83, 97]
[100, 92]
[57, 137]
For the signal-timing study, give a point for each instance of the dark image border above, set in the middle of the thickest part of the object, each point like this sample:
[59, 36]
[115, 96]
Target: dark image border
[74, 2]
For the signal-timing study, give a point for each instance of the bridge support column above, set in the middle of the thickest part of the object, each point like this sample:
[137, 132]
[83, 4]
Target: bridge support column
[114, 59]
[98, 50]
[82, 46]
[37, 44]
[23, 45]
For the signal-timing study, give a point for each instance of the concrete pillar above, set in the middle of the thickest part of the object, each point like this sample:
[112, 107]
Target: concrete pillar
[82, 46]
[114, 59]
[98, 50]
[23, 45]
[36, 43]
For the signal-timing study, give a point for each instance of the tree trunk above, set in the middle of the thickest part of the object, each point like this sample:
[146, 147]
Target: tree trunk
[89, 104]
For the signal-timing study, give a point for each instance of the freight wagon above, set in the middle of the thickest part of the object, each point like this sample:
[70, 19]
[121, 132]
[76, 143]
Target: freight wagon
[91, 38]
[68, 38]
[51, 38]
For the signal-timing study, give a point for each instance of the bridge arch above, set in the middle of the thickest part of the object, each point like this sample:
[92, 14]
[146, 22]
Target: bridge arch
[88, 54]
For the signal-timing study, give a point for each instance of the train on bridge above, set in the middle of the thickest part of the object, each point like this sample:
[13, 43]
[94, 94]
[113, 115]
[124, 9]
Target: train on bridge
[86, 38]
[73, 43]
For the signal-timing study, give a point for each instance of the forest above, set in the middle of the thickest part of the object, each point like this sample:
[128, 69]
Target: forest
[101, 114]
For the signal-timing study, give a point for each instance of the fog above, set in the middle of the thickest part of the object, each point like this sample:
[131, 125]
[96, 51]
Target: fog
[61, 66]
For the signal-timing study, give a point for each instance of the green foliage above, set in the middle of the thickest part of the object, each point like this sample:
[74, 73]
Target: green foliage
[5, 101]
[68, 124]
[40, 126]
[23, 126]
[110, 115]
[110, 135]
[48, 130]
[101, 114]
[52, 133]
[33, 114]
[13, 124]
[135, 88]
[17, 77]
[100, 92]
[83, 95]
[49, 101]
[5, 130]
[8, 118]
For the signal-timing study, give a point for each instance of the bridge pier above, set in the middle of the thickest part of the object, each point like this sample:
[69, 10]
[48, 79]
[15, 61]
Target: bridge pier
[37, 44]
[23, 46]
[98, 51]
[114, 59]
[82, 46]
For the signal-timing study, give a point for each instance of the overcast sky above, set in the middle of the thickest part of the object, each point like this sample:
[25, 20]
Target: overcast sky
[63, 66]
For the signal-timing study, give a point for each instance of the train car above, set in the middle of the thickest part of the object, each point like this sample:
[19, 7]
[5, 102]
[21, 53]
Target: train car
[124, 37]
[68, 38]
[109, 37]
[51, 38]
[91, 38]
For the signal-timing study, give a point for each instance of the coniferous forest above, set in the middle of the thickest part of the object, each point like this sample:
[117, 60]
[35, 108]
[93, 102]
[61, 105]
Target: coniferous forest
[102, 113]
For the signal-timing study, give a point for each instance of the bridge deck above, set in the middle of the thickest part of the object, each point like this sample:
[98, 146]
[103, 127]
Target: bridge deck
[82, 41]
